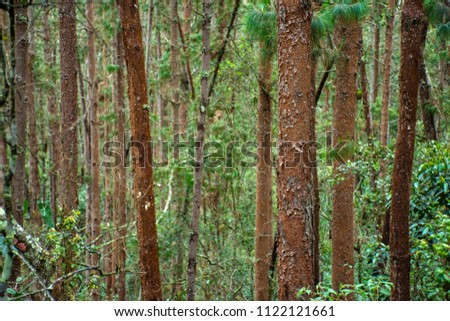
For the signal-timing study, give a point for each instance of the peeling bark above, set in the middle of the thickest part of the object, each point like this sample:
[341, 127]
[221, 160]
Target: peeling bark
[295, 181]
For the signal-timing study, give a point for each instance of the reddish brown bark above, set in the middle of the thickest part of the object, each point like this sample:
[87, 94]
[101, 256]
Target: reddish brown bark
[295, 193]
[200, 138]
[344, 116]
[412, 39]
[69, 112]
[21, 105]
[140, 132]
[264, 216]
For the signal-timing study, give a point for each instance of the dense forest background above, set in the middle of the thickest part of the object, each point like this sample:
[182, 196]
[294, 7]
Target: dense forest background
[86, 85]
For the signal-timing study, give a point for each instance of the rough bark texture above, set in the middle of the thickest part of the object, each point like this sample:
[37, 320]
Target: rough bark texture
[294, 181]
[21, 99]
[200, 138]
[120, 182]
[344, 116]
[94, 139]
[264, 216]
[413, 22]
[140, 132]
[69, 112]
[390, 19]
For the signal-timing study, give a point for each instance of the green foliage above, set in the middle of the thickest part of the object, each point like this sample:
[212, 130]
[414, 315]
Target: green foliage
[430, 227]
[260, 25]
[439, 16]
[349, 10]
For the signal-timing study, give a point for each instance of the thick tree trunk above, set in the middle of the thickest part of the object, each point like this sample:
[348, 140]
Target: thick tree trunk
[94, 139]
[142, 162]
[69, 139]
[264, 216]
[200, 138]
[412, 39]
[21, 106]
[120, 182]
[344, 121]
[390, 20]
[295, 191]
[54, 123]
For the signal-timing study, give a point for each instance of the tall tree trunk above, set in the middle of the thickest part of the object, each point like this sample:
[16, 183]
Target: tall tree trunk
[412, 40]
[390, 20]
[94, 139]
[31, 114]
[363, 85]
[344, 121]
[142, 162]
[376, 54]
[69, 111]
[200, 138]
[264, 216]
[120, 182]
[54, 122]
[3, 113]
[295, 192]
[175, 81]
[21, 105]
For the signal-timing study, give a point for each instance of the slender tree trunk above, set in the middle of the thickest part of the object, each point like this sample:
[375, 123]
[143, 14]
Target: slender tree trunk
[344, 121]
[175, 82]
[94, 139]
[426, 104]
[390, 20]
[295, 191]
[69, 110]
[148, 55]
[54, 122]
[3, 103]
[31, 114]
[364, 88]
[140, 133]
[264, 216]
[201, 127]
[376, 54]
[120, 182]
[412, 40]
